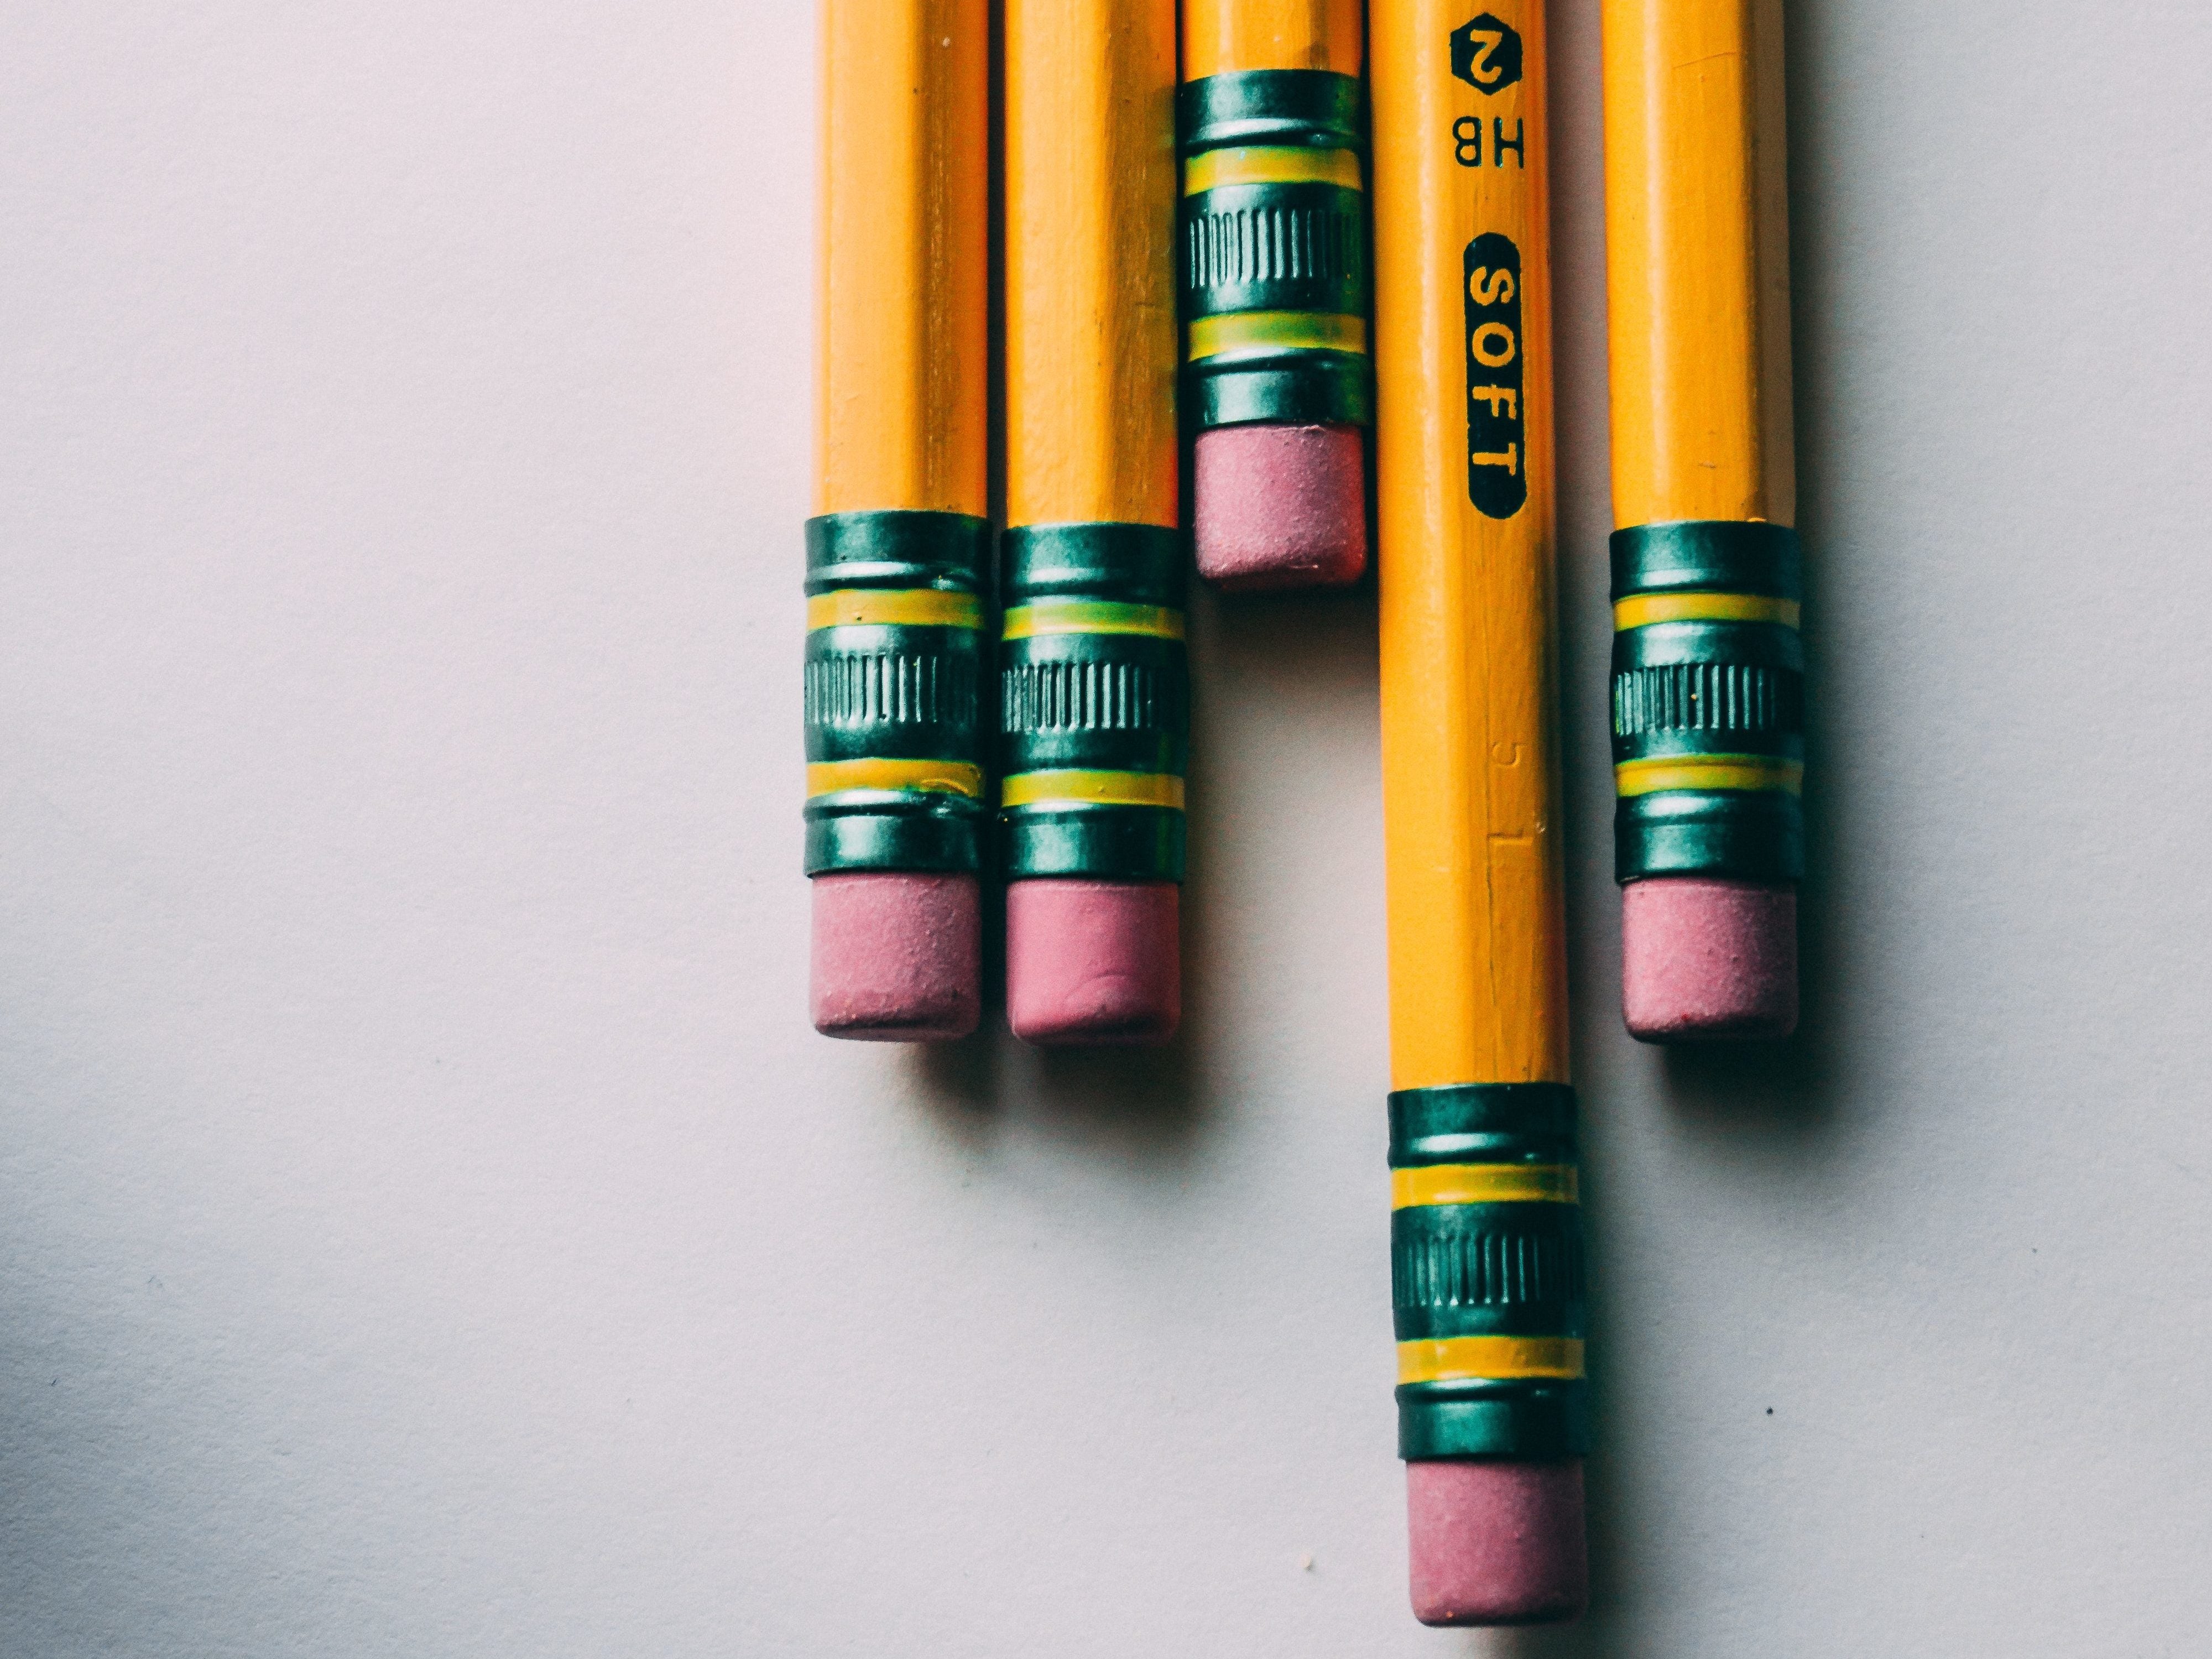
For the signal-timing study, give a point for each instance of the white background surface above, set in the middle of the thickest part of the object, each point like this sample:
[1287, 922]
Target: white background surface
[427, 1223]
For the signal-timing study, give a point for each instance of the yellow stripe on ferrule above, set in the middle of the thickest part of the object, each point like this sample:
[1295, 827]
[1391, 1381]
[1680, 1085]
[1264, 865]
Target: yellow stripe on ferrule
[1665, 772]
[1496, 1359]
[928, 777]
[905, 607]
[1485, 1183]
[1642, 610]
[1270, 164]
[1241, 330]
[1060, 616]
[1075, 788]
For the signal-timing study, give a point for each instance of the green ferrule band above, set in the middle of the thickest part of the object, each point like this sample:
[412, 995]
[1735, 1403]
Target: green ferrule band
[1738, 834]
[1486, 1228]
[1483, 1123]
[1288, 388]
[894, 693]
[1488, 1273]
[1094, 701]
[1708, 687]
[1275, 248]
[948, 551]
[1099, 843]
[1125, 564]
[1271, 107]
[1095, 704]
[884, 830]
[891, 695]
[1708, 702]
[1523, 1422]
[1094, 677]
[1113, 702]
[1724, 557]
[1668, 644]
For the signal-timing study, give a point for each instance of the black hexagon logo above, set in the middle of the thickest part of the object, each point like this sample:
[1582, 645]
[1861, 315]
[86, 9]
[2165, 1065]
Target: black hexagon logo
[1486, 53]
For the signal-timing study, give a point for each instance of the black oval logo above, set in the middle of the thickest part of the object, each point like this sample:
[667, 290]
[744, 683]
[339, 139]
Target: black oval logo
[1497, 449]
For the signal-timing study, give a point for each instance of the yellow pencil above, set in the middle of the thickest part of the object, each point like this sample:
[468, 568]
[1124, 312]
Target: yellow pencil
[1095, 704]
[1708, 672]
[898, 552]
[1486, 1263]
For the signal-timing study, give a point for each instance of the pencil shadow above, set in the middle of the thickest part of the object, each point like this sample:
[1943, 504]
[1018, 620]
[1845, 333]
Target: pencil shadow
[1785, 1099]
[1780, 1107]
[1149, 1103]
[960, 1082]
[1787, 1092]
[1783, 1096]
[1833, 967]
[1157, 1105]
[1128, 1105]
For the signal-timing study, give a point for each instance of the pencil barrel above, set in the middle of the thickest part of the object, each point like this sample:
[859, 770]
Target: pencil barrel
[1091, 182]
[897, 650]
[902, 384]
[1708, 667]
[1275, 268]
[1708, 702]
[896, 655]
[1094, 702]
[1487, 1272]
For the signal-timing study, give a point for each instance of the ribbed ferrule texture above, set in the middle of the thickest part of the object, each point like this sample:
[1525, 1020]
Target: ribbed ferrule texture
[1094, 704]
[897, 659]
[1708, 702]
[1487, 1272]
[1275, 277]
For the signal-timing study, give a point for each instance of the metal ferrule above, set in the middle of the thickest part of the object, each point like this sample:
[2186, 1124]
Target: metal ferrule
[1487, 1272]
[1275, 268]
[896, 652]
[1094, 702]
[1708, 702]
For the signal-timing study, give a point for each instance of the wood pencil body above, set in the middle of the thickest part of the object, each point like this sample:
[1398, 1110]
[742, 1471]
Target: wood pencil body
[1477, 976]
[1224, 37]
[1092, 183]
[1698, 259]
[898, 550]
[903, 397]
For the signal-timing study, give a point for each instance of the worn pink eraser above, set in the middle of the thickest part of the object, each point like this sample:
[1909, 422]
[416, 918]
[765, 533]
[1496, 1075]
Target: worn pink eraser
[1496, 1543]
[1280, 507]
[1094, 962]
[898, 956]
[1702, 960]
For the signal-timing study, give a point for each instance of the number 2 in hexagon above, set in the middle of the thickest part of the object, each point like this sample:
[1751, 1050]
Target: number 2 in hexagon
[1486, 54]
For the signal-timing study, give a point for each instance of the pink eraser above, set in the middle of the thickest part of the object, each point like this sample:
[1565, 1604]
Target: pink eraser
[1704, 960]
[1496, 1543]
[1280, 507]
[898, 956]
[1094, 962]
